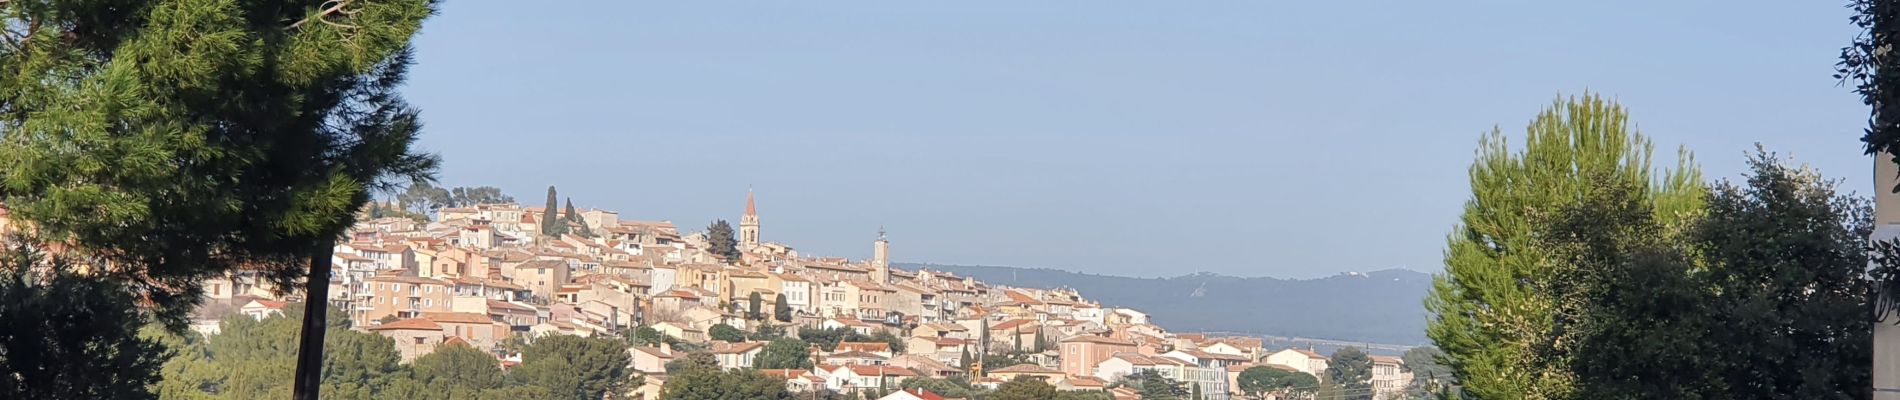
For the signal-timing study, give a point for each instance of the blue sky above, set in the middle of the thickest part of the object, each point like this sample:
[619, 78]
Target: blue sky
[1286, 139]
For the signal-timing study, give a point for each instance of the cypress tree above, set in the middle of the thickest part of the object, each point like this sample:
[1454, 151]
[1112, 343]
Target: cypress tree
[550, 219]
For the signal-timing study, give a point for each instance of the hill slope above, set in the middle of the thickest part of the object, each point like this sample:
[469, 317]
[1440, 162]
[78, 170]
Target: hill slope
[1381, 306]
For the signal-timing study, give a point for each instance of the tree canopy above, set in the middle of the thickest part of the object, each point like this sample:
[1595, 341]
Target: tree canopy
[1493, 308]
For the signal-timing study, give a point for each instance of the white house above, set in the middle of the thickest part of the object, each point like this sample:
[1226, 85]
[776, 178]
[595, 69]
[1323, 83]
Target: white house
[1301, 360]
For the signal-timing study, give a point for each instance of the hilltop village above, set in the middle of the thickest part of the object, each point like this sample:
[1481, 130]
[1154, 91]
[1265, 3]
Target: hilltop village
[483, 275]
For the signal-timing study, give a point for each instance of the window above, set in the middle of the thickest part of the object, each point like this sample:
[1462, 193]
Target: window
[420, 340]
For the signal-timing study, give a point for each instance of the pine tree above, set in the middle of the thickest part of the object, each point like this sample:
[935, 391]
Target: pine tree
[719, 237]
[182, 139]
[1493, 308]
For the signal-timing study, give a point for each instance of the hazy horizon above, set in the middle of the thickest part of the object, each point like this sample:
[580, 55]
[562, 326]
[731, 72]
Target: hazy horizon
[1116, 138]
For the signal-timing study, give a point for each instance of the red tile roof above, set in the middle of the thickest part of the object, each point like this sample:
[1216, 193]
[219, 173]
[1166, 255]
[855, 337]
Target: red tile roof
[412, 323]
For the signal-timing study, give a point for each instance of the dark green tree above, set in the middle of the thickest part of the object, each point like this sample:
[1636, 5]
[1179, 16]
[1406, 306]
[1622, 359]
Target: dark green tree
[1042, 342]
[766, 332]
[1351, 370]
[1016, 340]
[726, 333]
[720, 238]
[70, 335]
[1153, 386]
[1785, 260]
[574, 367]
[457, 372]
[1259, 382]
[693, 361]
[178, 140]
[1493, 310]
[784, 354]
[983, 337]
[897, 343]
[646, 336]
[755, 307]
[472, 196]
[964, 360]
[577, 223]
[256, 358]
[551, 222]
[1025, 388]
[712, 384]
[782, 310]
[423, 198]
[1868, 62]
[955, 387]
[1625, 290]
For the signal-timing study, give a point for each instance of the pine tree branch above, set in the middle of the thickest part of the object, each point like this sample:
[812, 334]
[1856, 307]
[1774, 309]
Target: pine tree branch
[336, 7]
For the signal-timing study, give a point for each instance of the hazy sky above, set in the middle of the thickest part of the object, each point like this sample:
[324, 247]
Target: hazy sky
[1254, 138]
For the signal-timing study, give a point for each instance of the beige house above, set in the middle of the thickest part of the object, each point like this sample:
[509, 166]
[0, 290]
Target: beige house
[402, 297]
[479, 330]
[1389, 378]
[652, 360]
[542, 277]
[682, 332]
[414, 337]
[1080, 354]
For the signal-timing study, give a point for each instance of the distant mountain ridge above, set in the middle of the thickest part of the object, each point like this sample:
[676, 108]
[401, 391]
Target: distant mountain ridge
[1383, 306]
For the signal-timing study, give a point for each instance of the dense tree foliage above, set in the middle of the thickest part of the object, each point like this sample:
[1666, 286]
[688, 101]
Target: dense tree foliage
[721, 242]
[574, 367]
[1153, 386]
[180, 139]
[1868, 63]
[1350, 369]
[254, 359]
[1494, 307]
[713, 384]
[954, 387]
[1260, 382]
[70, 335]
[784, 354]
[1577, 275]
[471, 196]
[1025, 388]
[828, 339]
[692, 361]
[725, 333]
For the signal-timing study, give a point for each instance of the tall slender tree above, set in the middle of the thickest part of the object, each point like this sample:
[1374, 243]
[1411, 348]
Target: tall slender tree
[1493, 308]
[551, 223]
[781, 309]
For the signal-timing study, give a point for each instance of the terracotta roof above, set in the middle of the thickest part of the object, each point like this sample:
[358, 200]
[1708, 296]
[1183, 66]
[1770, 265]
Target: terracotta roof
[784, 373]
[493, 304]
[864, 346]
[855, 354]
[1025, 369]
[1011, 324]
[271, 304]
[1387, 360]
[412, 323]
[736, 348]
[751, 207]
[458, 317]
[1084, 381]
[655, 351]
[923, 394]
[407, 279]
[876, 370]
[455, 340]
[1097, 339]
[1309, 353]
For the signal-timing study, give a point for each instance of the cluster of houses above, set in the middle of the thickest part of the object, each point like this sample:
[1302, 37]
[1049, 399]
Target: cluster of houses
[479, 275]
